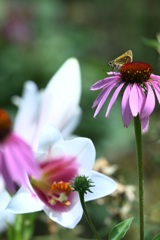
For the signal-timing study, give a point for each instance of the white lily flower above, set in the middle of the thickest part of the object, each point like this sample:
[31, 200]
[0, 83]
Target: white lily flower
[60, 161]
[58, 104]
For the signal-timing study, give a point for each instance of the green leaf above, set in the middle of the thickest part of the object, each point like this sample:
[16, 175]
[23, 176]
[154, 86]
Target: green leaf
[157, 237]
[152, 43]
[119, 231]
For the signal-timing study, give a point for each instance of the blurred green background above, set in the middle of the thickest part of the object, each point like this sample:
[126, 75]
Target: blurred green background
[36, 37]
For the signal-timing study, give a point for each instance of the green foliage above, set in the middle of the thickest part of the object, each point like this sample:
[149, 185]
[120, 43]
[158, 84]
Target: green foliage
[157, 237]
[119, 231]
[23, 227]
[152, 43]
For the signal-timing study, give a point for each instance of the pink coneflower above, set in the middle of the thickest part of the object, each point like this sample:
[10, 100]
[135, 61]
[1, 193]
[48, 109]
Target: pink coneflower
[16, 157]
[139, 85]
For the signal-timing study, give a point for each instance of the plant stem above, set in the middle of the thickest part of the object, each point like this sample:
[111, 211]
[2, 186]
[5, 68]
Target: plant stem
[23, 227]
[81, 195]
[138, 137]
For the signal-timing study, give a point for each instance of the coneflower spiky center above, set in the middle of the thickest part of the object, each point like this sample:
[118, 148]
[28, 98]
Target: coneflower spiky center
[138, 72]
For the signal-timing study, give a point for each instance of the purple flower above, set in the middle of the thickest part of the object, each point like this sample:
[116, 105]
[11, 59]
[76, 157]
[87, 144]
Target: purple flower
[16, 157]
[139, 86]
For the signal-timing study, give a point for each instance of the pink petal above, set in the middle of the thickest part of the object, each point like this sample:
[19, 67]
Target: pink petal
[100, 97]
[155, 77]
[141, 98]
[106, 92]
[114, 97]
[15, 168]
[126, 111]
[105, 82]
[149, 103]
[144, 124]
[10, 185]
[24, 158]
[157, 90]
[134, 100]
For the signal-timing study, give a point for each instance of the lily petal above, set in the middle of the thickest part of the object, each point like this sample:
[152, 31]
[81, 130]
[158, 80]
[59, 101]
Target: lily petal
[66, 219]
[25, 201]
[27, 112]
[84, 151]
[62, 95]
[104, 186]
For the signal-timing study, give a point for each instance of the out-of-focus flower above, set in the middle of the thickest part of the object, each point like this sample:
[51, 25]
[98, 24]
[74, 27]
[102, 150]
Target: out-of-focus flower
[58, 104]
[60, 163]
[140, 87]
[102, 165]
[16, 27]
[16, 157]
[6, 217]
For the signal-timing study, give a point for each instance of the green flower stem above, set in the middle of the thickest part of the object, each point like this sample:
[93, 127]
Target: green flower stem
[138, 136]
[23, 227]
[81, 195]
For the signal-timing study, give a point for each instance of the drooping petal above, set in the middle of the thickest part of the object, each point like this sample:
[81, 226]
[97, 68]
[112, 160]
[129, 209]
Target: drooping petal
[100, 100]
[103, 186]
[104, 93]
[24, 156]
[149, 103]
[105, 82]
[114, 98]
[134, 100]
[25, 201]
[15, 172]
[6, 175]
[126, 111]
[155, 77]
[157, 90]
[141, 98]
[144, 124]
[17, 160]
